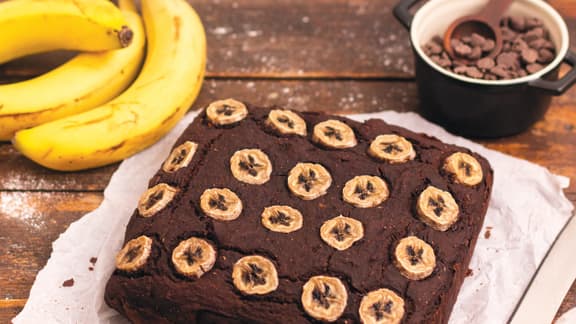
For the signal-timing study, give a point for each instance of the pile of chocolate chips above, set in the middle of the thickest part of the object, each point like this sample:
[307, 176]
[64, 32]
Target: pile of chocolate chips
[526, 49]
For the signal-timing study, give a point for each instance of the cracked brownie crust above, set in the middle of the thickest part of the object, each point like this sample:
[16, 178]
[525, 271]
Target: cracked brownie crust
[158, 293]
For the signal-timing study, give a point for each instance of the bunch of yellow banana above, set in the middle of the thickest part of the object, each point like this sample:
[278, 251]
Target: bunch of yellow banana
[90, 111]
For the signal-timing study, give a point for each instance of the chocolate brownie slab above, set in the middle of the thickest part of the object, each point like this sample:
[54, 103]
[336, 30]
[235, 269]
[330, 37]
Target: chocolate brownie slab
[268, 215]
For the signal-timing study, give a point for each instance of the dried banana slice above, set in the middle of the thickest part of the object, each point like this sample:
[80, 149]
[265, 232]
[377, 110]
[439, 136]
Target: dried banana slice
[221, 204]
[226, 112]
[365, 191]
[255, 275]
[334, 133]
[251, 166]
[286, 122]
[309, 180]
[465, 168]
[282, 219]
[155, 199]
[341, 232]
[193, 257]
[437, 208]
[382, 306]
[180, 157]
[324, 298]
[134, 254]
[392, 148]
[414, 258]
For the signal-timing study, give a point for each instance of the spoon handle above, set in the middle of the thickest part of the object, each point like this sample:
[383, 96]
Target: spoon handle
[494, 11]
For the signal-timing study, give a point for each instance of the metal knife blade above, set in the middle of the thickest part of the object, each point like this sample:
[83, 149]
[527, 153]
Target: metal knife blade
[551, 282]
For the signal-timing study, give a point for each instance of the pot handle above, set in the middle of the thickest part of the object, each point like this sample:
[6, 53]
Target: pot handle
[560, 86]
[402, 12]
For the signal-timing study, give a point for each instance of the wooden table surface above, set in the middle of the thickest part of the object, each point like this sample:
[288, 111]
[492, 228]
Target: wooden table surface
[333, 55]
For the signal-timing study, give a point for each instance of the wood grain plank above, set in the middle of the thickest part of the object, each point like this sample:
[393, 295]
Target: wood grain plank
[569, 302]
[30, 223]
[296, 39]
[8, 313]
[18, 173]
[551, 142]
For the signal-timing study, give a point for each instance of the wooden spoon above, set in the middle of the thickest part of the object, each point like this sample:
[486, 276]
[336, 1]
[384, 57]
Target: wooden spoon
[485, 23]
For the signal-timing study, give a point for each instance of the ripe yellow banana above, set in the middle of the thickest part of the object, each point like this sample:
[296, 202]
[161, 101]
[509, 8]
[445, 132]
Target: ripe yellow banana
[35, 26]
[86, 81]
[166, 87]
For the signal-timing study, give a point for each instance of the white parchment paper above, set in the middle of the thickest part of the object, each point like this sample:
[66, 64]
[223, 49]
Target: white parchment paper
[568, 318]
[526, 212]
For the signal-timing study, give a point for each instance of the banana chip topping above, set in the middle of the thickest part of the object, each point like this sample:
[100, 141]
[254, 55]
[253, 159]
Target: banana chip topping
[251, 166]
[382, 306]
[414, 258]
[155, 199]
[341, 232]
[309, 180]
[392, 148]
[464, 168]
[180, 157]
[365, 191]
[286, 122]
[193, 257]
[282, 219]
[334, 134]
[437, 208]
[134, 254]
[324, 298]
[221, 204]
[226, 112]
[255, 275]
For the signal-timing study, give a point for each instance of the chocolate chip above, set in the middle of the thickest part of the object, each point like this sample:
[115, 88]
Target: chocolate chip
[432, 48]
[508, 34]
[473, 72]
[477, 40]
[538, 43]
[476, 53]
[461, 69]
[533, 68]
[490, 77]
[529, 55]
[441, 61]
[486, 63]
[545, 56]
[522, 73]
[508, 60]
[519, 45]
[500, 72]
[532, 22]
[518, 23]
[534, 34]
[462, 49]
[489, 45]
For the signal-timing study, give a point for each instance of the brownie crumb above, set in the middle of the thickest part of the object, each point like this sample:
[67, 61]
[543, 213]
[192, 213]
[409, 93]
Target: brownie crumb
[469, 272]
[488, 232]
[90, 268]
[93, 260]
[68, 283]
